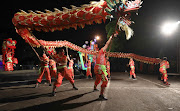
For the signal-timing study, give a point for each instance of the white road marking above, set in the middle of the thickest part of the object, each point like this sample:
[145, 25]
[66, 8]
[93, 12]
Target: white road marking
[174, 90]
[3, 104]
[152, 82]
[170, 108]
[164, 87]
[82, 87]
[16, 81]
[139, 88]
[25, 81]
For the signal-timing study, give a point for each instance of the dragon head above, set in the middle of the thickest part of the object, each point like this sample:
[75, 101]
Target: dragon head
[120, 11]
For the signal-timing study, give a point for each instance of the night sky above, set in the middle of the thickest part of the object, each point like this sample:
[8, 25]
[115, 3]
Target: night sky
[147, 40]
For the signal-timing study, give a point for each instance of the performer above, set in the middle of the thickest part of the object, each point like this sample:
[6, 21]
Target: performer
[94, 60]
[71, 63]
[100, 69]
[62, 71]
[44, 69]
[53, 69]
[88, 71]
[163, 66]
[70, 68]
[132, 71]
[9, 62]
[108, 67]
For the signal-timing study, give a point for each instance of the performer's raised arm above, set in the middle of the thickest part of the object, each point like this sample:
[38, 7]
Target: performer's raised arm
[108, 42]
[68, 57]
[67, 54]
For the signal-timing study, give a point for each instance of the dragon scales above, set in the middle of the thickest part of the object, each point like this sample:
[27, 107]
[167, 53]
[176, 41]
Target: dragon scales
[87, 14]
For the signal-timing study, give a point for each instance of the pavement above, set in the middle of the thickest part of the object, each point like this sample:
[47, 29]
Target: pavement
[23, 77]
[18, 75]
[146, 93]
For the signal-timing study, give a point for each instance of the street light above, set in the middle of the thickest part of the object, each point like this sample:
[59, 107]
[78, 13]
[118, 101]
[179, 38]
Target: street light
[170, 27]
[97, 37]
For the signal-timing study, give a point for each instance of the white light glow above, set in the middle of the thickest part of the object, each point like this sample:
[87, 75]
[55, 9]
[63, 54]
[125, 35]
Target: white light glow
[97, 37]
[170, 27]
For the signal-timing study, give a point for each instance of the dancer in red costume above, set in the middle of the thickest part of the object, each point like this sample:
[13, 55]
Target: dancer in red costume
[71, 63]
[163, 66]
[88, 71]
[9, 62]
[100, 69]
[53, 69]
[108, 67]
[8, 59]
[62, 71]
[132, 71]
[70, 68]
[44, 70]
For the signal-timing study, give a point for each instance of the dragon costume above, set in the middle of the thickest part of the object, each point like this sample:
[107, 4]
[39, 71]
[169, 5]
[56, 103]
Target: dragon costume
[87, 14]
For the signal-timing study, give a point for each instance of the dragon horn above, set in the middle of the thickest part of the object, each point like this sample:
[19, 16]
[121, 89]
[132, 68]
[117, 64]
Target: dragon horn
[39, 12]
[65, 9]
[57, 10]
[30, 11]
[48, 11]
[23, 11]
[73, 7]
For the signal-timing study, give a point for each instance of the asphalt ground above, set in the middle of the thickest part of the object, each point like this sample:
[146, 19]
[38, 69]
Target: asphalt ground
[146, 93]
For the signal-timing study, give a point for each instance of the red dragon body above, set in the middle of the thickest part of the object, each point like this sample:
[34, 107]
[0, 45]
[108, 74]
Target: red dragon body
[87, 14]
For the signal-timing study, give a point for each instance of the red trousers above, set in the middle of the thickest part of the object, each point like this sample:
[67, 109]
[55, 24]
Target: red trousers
[88, 72]
[53, 73]
[71, 71]
[164, 73]
[47, 74]
[9, 66]
[63, 72]
[100, 76]
[132, 72]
